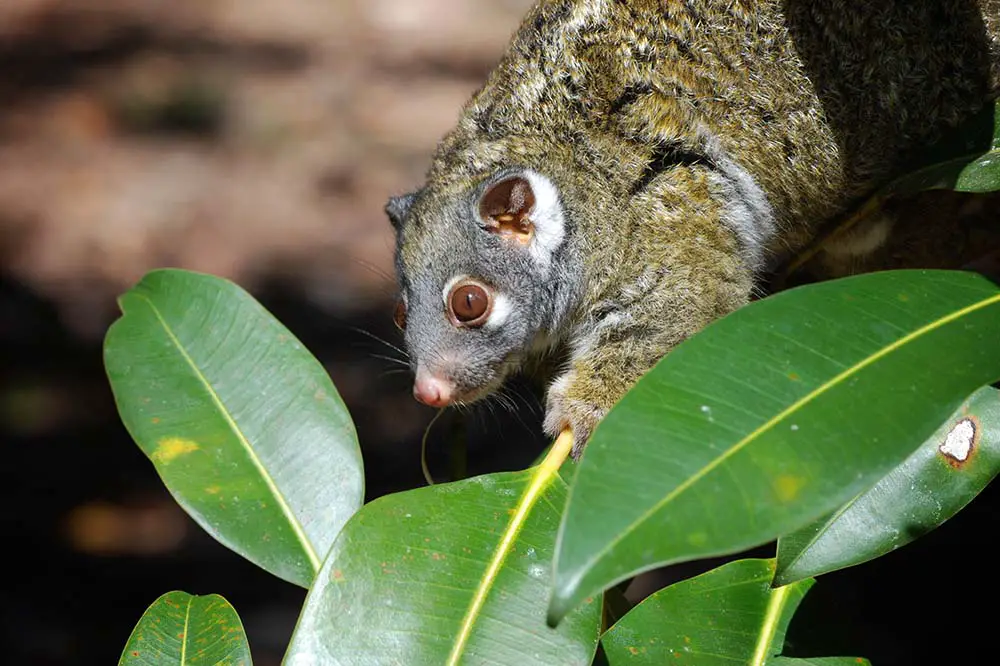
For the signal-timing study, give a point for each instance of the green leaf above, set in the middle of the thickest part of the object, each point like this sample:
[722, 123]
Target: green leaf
[969, 161]
[186, 630]
[449, 574]
[981, 175]
[772, 417]
[930, 487]
[728, 615]
[242, 423]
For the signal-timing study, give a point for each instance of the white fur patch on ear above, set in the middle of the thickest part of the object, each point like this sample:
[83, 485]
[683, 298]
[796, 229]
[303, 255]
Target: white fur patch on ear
[500, 312]
[547, 217]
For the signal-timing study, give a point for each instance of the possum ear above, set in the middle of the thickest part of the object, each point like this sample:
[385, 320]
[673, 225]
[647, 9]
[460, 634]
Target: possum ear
[398, 207]
[526, 209]
[506, 209]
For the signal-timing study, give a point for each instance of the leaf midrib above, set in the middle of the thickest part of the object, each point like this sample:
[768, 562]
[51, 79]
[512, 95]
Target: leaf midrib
[544, 474]
[280, 499]
[769, 628]
[187, 629]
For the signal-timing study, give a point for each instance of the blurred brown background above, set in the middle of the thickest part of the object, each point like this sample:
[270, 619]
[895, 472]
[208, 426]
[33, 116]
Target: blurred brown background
[257, 140]
[247, 139]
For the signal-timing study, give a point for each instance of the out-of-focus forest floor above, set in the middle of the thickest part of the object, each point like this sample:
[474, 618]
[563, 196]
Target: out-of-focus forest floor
[257, 140]
[247, 139]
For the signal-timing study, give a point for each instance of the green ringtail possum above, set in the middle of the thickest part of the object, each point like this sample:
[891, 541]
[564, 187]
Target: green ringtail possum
[630, 169]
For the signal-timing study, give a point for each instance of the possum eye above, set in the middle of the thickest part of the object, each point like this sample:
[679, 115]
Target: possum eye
[399, 315]
[469, 304]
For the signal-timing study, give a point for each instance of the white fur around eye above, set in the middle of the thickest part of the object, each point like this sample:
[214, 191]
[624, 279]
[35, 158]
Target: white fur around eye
[547, 216]
[448, 286]
[500, 312]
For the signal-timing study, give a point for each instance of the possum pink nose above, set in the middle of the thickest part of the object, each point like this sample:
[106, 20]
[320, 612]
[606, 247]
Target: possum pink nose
[432, 391]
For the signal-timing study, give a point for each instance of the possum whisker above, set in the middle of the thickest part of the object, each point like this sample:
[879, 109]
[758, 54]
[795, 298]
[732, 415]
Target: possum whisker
[392, 359]
[381, 340]
[512, 407]
[423, 449]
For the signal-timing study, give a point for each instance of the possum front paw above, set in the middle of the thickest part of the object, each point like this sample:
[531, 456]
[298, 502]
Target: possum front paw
[564, 410]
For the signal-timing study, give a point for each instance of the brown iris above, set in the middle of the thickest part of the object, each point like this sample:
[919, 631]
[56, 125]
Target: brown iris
[399, 315]
[469, 304]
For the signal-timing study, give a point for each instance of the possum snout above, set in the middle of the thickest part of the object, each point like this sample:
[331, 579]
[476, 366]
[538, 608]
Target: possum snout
[433, 390]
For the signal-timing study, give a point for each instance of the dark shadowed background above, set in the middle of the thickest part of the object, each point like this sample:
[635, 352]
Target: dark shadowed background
[258, 140]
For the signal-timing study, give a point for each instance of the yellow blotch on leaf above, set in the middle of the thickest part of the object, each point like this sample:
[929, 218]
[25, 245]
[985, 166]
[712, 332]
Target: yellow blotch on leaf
[787, 487]
[170, 449]
[697, 539]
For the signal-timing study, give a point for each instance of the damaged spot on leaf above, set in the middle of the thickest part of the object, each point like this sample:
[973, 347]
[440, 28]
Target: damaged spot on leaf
[170, 448]
[960, 442]
[787, 487]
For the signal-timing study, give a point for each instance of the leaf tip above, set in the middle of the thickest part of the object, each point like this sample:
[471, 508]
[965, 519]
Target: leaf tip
[565, 598]
[784, 576]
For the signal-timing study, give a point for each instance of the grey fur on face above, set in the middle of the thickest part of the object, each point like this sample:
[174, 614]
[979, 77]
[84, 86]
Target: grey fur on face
[529, 279]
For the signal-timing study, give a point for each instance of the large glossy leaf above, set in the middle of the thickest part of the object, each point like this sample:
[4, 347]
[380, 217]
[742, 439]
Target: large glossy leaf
[726, 616]
[931, 486]
[449, 574]
[241, 422]
[771, 418]
[184, 630]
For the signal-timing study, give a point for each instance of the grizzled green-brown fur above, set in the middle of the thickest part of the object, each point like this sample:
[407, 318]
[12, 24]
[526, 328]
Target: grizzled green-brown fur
[633, 109]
